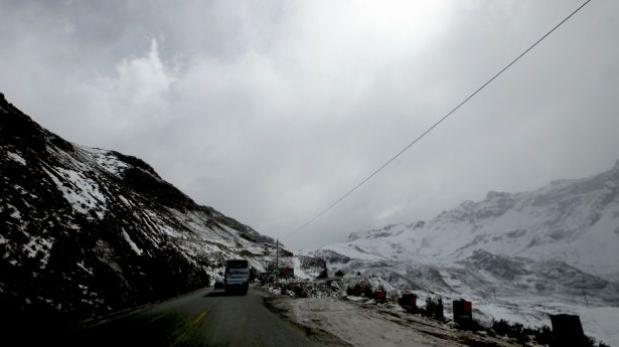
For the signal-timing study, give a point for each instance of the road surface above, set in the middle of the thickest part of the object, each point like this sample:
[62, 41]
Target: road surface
[202, 318]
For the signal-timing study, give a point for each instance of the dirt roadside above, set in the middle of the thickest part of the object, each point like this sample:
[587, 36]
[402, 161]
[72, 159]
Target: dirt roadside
[360, 324]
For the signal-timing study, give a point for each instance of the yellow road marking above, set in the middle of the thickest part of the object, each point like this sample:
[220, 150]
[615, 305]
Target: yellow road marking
[189, 328]
[199, 317]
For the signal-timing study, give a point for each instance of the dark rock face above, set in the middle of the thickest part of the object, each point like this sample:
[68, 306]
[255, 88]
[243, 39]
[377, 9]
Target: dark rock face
[330, 256]
[505, 268]
[85, 231]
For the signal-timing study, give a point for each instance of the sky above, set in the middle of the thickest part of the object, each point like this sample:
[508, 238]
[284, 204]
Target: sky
[270, 110]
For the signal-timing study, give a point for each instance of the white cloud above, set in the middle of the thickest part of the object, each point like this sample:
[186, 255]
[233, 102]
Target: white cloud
[269, 111]
[135, 96]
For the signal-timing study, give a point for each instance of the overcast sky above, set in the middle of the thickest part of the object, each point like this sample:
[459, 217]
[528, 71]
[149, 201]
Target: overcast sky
[270, 110]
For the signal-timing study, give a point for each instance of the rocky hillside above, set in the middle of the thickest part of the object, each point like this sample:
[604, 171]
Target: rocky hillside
[84, 231]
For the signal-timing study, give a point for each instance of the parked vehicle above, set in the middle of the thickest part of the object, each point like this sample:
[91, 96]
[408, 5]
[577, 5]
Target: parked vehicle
[236, 278]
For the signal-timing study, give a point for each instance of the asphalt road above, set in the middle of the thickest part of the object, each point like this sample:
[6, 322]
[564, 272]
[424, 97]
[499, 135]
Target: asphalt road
[202, 318]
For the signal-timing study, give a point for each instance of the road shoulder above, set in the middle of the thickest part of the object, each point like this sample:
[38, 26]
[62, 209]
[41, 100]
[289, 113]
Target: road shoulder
[357, 324]
[280, 305]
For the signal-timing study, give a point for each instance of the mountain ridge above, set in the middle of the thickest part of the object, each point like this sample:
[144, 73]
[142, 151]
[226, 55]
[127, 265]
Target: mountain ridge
[566, 220]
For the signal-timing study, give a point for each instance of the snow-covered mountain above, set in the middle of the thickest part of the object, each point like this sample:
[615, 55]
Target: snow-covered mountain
[575, 221]
[518, 256]
[84, 231]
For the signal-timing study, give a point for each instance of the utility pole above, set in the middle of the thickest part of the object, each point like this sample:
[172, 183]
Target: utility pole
[277, 254]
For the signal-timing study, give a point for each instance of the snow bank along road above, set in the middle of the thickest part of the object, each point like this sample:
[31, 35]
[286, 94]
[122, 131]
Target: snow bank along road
[202, 318]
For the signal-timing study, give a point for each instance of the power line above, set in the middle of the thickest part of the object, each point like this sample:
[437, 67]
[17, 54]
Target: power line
[452, 111]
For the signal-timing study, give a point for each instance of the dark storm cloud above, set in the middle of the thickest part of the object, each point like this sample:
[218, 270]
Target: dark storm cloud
[269, 111]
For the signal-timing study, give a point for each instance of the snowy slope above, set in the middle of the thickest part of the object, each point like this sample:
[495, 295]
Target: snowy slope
[84, 231]
[517, 256]
[575, 221]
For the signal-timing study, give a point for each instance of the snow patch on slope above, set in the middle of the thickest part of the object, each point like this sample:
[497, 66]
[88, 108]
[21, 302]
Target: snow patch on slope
[107, 160]
[134, 247]
[39, 247]
[16, 157]
[83, 194]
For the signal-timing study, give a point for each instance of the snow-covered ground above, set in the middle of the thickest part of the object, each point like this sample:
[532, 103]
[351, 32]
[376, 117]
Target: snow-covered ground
[600, 322]
[516, 290]
[517, 256]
